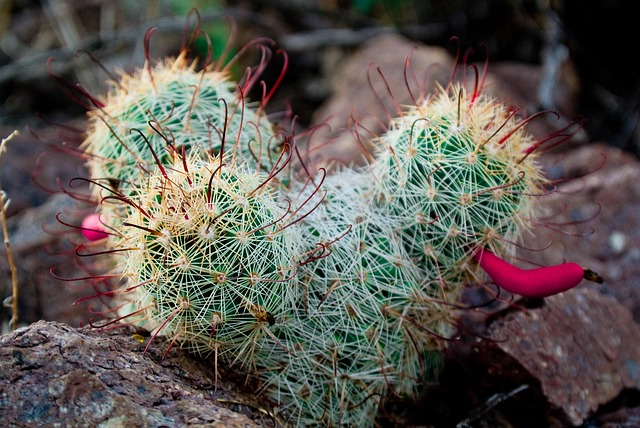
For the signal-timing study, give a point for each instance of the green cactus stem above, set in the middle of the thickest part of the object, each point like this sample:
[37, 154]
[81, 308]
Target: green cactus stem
[209, 257]
[335, 291]
[172, 107]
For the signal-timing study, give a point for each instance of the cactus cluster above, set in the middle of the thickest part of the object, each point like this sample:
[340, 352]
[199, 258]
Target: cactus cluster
[334, 290]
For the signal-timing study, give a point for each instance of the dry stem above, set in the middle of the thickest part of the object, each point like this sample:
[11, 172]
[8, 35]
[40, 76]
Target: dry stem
[4, 202]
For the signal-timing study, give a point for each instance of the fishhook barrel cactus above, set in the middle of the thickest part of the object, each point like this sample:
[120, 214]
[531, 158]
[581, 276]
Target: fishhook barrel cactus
[334, 290]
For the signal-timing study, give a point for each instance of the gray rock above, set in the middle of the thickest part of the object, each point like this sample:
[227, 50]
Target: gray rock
[55, 375]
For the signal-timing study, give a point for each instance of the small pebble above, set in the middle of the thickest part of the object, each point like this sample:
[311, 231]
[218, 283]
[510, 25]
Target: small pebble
[617, 242]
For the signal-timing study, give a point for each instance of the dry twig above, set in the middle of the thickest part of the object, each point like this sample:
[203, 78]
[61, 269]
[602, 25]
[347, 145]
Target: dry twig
[11, 301]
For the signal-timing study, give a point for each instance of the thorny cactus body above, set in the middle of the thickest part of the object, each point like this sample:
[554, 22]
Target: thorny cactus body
[456, 170]
[347, 335]
[170, 107]
[211, 260]
[335, 291]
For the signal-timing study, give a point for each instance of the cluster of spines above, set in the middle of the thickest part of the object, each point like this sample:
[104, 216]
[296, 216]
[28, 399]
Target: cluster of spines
[335, 290]
[345, 334]
[210, 254]
[454, 168]
[172, 107]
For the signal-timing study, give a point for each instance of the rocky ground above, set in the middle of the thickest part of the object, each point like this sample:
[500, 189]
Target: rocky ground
[569, 360]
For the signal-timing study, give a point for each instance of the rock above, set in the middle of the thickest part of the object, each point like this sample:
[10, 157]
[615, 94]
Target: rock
[567, 361]
[580, 346]
[54, 375]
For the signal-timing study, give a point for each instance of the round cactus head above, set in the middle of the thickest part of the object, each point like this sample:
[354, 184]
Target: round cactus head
[171, 107]
[208, 261]
[456, 168]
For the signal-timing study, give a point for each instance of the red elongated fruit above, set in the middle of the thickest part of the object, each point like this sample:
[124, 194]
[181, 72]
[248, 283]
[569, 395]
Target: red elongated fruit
[92, 229]
[540, 282]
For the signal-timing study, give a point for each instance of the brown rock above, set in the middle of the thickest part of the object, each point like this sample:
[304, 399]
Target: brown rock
[580, 346]
[54, 375]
